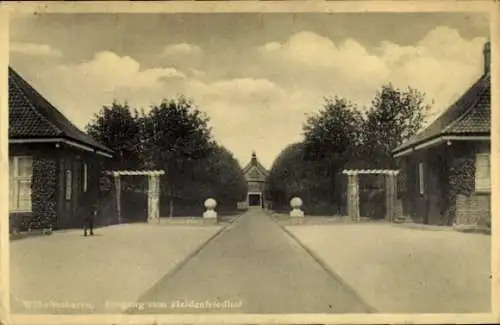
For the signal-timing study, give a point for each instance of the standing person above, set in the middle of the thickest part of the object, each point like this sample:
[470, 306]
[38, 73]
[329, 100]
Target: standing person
[89, 220]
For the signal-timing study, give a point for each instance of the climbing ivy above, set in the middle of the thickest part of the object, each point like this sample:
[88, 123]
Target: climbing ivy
[461, 180]
[43, 193]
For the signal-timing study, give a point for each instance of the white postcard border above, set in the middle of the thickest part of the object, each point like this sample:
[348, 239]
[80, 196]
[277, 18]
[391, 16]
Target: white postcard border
[492, 7]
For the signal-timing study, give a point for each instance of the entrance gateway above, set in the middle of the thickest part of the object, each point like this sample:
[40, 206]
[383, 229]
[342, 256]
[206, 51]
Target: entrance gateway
[153, 191]
[353, 191]
[256, 176]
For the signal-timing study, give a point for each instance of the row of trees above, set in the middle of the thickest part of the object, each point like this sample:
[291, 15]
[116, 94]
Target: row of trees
[174, 136]
[339, 136]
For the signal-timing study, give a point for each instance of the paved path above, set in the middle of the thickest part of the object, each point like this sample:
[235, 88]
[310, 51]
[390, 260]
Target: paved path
[251, 267]
[72, 274]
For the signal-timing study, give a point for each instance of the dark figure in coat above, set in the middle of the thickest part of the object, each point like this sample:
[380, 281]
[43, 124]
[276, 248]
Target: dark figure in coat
[88, 222]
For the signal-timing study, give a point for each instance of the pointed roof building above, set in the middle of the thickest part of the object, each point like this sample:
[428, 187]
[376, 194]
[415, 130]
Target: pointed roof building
[454, 149]
[469, 116]
[32, 118]
[254, 168]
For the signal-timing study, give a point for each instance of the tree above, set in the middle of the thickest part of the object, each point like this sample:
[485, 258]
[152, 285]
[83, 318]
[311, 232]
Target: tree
[116, 127]
[176, 136]
[283, 173]
[395, 116]
[341, 136]
[332, 138]
[219, 176]
[292, 174]
[334, 132]
[227, 181]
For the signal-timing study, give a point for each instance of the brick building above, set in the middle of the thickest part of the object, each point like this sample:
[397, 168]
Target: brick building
[445, 169]
[54, 169]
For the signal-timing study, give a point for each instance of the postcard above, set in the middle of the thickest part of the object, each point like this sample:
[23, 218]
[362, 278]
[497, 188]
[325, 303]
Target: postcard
[249, 162]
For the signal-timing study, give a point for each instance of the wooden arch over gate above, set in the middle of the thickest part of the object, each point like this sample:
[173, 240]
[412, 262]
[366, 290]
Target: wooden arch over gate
[353, 191]
[153, 191]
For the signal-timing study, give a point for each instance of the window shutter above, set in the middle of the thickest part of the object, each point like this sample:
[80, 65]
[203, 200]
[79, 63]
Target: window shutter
[12, 185]
[85, 175]
[20, 174]
[24, 195]
[421, 184]
[483, 175]
[68, 184]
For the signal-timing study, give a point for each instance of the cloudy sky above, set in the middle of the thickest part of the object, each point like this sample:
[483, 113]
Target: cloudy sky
[256, 75]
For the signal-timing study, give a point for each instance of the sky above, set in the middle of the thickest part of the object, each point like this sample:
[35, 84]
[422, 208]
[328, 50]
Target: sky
[257, 76]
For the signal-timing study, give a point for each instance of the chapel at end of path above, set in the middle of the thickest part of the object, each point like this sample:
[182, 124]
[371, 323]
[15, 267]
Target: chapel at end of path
[255, 175]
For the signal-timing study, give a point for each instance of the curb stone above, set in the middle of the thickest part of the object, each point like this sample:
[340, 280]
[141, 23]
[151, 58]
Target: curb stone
[472, 229]
[459, 228]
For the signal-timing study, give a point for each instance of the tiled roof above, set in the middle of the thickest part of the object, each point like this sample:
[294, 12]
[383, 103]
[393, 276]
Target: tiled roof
[469, 115]
[32, 116]
[478, 118]
[255, 162]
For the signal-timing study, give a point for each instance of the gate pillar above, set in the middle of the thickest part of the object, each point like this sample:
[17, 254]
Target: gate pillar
[118, 190]
[153, 198]
[153, 191]
[353, 196]
[390, 195]
[353, 191]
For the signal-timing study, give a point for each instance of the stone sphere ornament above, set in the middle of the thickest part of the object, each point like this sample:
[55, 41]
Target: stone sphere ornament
[210, 205]
[296, 204]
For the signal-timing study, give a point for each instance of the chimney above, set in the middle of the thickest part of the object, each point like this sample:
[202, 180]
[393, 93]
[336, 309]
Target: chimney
[487, 57]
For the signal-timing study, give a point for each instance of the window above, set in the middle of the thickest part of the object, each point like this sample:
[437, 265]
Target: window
[68, 184]
[483, 176]
[421, 183]
[84, 177]
[20, 174]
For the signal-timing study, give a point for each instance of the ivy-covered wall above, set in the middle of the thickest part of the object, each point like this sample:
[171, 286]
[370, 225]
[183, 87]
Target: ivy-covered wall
[461, 179]
[43, 192]
[469, 208]
[449, 180]
[49, 206]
